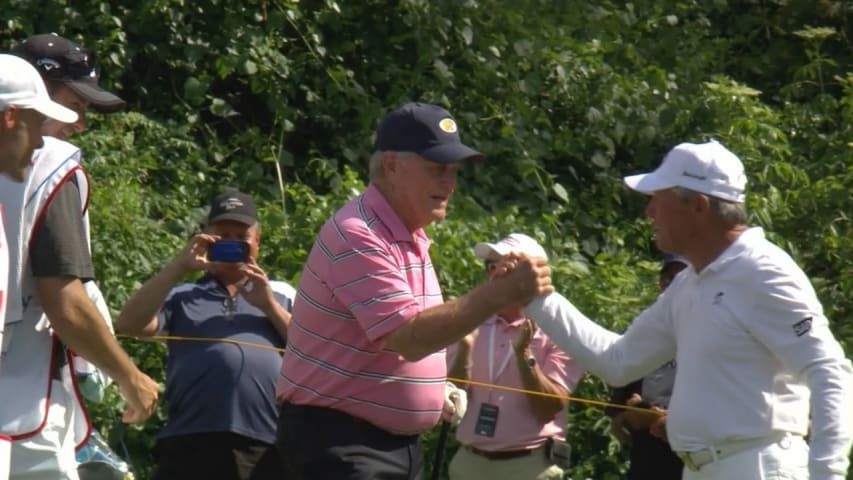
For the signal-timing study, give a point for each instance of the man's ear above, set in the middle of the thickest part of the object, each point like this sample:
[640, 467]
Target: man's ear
[701, 203]
[389, 161]
[257, 229]
[9, 117]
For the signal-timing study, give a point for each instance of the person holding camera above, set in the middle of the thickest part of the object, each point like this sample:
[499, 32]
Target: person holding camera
[512, 435]
[220, 394]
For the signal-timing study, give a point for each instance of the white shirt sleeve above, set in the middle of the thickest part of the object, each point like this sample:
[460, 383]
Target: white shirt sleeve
[788, 319]
[284, 294]
[617, 359]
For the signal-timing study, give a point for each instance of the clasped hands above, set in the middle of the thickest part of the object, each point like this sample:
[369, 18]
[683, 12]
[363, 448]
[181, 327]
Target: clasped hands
[524, 277]
[652, 419]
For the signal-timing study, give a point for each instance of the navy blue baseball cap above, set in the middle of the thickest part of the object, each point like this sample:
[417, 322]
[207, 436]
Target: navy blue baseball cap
[425, 129]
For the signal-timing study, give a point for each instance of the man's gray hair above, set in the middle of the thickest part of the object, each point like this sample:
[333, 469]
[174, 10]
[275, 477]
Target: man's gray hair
[375, 171]
[374, 167]
[732, 213]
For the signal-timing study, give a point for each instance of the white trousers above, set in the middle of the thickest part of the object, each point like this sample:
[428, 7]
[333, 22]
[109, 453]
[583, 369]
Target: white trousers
[49, 455]
[5, 455]
[786, 459]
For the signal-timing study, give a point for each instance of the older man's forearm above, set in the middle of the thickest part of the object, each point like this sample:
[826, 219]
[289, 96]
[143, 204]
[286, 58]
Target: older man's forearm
[442, 325]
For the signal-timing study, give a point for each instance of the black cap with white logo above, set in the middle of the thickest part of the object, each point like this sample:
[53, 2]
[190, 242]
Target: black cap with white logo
[59, 59]
[233, 205]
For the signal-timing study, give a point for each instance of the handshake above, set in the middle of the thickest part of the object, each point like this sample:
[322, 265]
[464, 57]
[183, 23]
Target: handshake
[519, 279]
[517, 267]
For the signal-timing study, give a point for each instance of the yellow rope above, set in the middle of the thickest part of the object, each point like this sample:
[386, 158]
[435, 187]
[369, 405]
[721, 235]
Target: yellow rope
[588, 401]
[206, 339]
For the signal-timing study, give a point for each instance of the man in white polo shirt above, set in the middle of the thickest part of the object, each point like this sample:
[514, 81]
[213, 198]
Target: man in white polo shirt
[754, 351]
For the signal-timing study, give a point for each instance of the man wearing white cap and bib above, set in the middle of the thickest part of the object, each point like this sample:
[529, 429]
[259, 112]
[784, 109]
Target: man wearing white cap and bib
[50, 314]
[756, 358]
[24, 105]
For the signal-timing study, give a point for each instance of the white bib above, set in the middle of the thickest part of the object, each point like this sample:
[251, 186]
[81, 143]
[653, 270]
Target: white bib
[26, 362]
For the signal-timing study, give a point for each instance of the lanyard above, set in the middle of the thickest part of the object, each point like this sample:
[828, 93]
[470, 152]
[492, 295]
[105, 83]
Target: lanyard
[493, 375]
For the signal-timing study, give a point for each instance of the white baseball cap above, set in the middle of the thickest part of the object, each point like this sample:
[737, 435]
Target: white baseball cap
[708, 168]
[22, 86]
[512, 243]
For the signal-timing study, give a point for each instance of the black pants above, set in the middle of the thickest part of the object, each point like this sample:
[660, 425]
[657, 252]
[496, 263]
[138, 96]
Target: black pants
[323, 444]
[216, 456]
[652, 459]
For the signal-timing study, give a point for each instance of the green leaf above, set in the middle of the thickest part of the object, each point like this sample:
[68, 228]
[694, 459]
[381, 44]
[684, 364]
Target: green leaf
[560, 192]
[467, 35]
[249, 67]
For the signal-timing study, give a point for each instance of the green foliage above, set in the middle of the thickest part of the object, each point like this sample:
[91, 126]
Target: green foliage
[563, 97]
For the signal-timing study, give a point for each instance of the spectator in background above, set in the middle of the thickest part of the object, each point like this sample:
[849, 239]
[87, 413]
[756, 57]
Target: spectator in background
[512, 435]
[220, 395]
[644, 433]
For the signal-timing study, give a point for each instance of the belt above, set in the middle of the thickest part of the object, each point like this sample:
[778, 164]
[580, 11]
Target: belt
[699, 458]
[500, 455]
[332, 416]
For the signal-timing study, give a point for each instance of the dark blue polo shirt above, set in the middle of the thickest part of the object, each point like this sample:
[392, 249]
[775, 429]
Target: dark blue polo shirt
[219, 386]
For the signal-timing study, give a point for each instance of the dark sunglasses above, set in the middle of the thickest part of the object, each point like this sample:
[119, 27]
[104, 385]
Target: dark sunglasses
[74, 65]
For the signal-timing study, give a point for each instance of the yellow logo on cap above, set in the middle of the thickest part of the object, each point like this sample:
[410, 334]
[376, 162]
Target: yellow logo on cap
[447, 125]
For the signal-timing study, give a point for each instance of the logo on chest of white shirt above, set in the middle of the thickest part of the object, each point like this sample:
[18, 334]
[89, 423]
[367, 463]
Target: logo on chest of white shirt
[718, 299]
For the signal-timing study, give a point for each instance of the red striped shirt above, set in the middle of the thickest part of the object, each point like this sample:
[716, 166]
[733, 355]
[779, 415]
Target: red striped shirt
[365, 276]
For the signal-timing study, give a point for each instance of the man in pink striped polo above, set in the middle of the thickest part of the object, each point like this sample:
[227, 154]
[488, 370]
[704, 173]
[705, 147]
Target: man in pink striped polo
[364, 373]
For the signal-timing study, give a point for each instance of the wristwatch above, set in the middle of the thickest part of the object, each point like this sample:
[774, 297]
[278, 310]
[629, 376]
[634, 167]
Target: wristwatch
[529, 359]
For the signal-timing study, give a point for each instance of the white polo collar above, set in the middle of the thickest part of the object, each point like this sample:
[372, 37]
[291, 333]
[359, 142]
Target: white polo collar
[739, 247]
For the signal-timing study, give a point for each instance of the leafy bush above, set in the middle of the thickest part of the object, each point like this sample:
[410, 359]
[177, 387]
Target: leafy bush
[563, 97]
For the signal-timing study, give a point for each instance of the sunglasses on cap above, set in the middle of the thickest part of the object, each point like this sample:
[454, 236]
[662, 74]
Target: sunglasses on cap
[73, 65]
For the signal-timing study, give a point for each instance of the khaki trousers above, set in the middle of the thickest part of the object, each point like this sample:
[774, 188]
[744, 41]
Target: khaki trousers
[469, 466]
